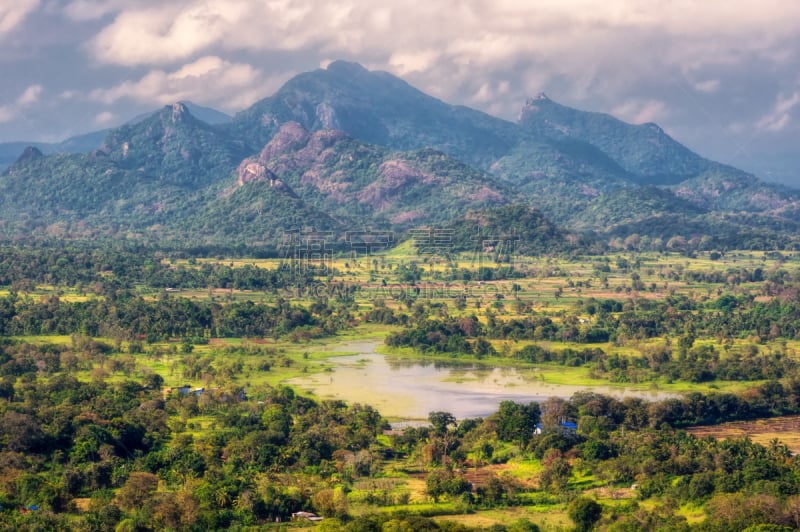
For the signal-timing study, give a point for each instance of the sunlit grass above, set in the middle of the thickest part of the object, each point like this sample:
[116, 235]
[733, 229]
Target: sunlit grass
[61, 339]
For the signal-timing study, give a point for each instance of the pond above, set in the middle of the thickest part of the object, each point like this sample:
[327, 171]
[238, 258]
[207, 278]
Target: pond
[407, 390]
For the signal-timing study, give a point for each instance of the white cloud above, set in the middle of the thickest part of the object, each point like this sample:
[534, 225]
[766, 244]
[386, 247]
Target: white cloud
[639, 112]
[11, 112]
[7, 114]
[780, 115]
[490, 92]
[209, 79]
[709, 86]
[105, 118]
[587, 50]
[30, 96]
[404, 63]
[167, 33]
[14, 12]
[199, 68]
[666, 60]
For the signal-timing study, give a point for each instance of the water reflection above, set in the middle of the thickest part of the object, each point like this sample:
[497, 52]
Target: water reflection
[410, 389]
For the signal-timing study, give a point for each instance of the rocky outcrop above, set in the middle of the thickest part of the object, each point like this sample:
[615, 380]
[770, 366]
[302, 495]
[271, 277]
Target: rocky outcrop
[290, 137]
[251, 170]
[29, 154]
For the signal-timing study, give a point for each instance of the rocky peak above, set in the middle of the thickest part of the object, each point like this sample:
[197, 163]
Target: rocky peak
[347, 68]
[29, 154]
[327, 116]
[179, 112]
[533, 106]
[290, 137]
[325, 138]
[251, 170]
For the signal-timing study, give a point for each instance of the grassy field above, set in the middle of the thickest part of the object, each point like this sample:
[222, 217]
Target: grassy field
[784, 429]
[552, 287]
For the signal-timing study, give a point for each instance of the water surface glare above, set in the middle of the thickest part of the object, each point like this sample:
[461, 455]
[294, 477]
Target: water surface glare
[407, 389]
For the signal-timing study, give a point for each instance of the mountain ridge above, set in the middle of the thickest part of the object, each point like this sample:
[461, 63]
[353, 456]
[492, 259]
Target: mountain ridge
[347, 147]
[86, 142]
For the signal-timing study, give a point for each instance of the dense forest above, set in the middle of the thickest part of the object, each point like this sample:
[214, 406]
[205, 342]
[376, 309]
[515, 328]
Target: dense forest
[145, 389]
[122, 454]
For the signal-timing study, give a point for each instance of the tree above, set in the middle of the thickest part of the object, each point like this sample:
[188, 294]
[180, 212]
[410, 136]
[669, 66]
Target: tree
[445, 482]
[554, 411]
[20, 432]
[556, 473]
[584, 512]
[517, 421]
[138, 489]
[441, 421]
[331, 502]
[523, 525]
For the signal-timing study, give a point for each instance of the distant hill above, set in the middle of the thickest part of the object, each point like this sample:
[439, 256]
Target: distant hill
[208, 115]
[9, 151]
[647, 154]
[176, 178]
[343, 147]
[174, 147]
[508, 230]
[378, 108]
[342, 175]
[138, 174]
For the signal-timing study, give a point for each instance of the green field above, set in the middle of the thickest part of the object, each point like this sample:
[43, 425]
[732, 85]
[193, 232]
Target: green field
[565, 293]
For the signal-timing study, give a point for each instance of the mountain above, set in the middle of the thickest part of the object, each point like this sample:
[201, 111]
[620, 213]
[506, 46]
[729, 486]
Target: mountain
[591, 170]
[344, 148]
[173, 177]
[79, 143]
[9, 151]
[558, 158]
[174, 147]
[645, 152]
[737, 191]
[257, 212]
[559, 177]
[377, 108]
[208, 115]
[140, 173]
[508, 230]
[87, 142]
[342, 175]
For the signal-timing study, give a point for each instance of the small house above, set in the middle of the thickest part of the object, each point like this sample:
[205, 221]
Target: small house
[307, 516]
[566, 427]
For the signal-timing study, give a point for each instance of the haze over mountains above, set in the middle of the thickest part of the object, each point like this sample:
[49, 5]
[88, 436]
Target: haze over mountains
[9, 151]
[343, 148]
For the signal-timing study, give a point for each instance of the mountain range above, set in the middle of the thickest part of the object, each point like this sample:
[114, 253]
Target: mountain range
[344, 148]
[9, 151]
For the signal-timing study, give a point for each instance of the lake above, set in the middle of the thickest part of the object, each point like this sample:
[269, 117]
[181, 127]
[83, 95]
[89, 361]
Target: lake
[407, 390]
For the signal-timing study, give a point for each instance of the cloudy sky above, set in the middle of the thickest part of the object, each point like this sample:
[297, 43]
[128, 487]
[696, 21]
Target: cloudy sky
[722, 76]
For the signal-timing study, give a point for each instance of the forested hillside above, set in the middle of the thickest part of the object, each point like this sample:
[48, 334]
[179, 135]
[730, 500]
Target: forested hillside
[345, 147]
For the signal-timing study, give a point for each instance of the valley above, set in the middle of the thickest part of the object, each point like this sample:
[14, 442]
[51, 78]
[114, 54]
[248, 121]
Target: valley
[213, 415]
[353, 306]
